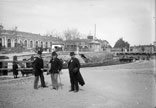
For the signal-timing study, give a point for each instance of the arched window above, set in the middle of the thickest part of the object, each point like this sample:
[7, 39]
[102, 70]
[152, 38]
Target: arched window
[41, 44]
[50, 44]
[46, 45]
[31, 44]
[0, 42]
[25, 43]
[16, 42]
[21, 43]
[36, 43]
[9, 43]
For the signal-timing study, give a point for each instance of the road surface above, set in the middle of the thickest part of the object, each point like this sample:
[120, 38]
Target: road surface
[119, 86]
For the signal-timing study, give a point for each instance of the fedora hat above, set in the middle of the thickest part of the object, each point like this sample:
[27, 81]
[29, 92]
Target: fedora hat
[54, 53]
[72, 53]
[39, 52]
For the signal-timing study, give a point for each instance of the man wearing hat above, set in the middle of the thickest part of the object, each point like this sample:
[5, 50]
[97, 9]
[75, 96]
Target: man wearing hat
[15, 69]
[38, 65]
[15, 66]
[73, 66]
[55, 67]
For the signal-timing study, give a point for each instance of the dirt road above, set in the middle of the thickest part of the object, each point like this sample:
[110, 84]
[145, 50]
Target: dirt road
[119, 86]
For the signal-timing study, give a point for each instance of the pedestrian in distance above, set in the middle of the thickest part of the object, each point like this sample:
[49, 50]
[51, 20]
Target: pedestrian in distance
[15, 69]
[55, 67]
[38, 73]
[73, 66]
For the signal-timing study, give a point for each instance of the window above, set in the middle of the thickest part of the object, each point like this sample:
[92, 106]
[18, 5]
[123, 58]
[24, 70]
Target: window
[9, 43]
[41, 44]
[0, 42]
[15, 42]
[25, 43]
[46, 44]
[50, 44]
[36, 43]
[31, 44]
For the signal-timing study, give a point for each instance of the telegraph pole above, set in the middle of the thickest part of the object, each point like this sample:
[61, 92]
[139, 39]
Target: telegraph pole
[95, 31]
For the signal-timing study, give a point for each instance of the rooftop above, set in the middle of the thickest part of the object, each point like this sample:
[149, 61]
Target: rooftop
[28, 35]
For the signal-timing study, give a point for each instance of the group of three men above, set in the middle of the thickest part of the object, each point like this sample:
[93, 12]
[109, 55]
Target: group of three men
[55, 66]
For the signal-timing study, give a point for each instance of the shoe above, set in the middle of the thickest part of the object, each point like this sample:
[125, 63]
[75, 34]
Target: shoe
[36, 88]
[44, 86]
[55, 88]
[71, 90]
[76, 91]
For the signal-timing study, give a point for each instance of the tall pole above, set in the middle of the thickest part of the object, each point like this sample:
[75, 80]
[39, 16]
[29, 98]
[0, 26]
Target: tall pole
[155, 37]
[154, 21]
[95, 32]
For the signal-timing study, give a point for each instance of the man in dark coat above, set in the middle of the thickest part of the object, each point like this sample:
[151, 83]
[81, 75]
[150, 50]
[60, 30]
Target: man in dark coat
[55, 67]
[74, 66]
[15, 69]
[38, 65]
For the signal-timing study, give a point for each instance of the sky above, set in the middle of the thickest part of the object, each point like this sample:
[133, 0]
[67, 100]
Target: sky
[132, 20]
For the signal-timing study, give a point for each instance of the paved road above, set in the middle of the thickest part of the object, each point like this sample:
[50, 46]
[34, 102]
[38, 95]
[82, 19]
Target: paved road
[119, 86]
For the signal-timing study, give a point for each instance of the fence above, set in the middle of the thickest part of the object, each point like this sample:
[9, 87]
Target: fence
[4, 69]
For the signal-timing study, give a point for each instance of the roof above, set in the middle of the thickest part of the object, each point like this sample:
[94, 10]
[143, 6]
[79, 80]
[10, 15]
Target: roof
[142, 46]
[28, 35]
[78, 40]
[94, 42]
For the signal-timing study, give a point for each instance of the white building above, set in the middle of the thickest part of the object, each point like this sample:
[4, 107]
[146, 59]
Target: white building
[10, 39]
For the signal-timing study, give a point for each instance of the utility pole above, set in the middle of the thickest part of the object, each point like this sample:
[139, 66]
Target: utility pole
[95, 31]
[154, 32]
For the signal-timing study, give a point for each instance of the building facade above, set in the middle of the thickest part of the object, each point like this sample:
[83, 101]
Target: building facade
[143, 49]
[10, 39]
[83, 45]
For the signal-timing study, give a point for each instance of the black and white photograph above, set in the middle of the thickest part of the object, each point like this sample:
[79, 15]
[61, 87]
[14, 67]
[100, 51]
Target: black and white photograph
[77, 54]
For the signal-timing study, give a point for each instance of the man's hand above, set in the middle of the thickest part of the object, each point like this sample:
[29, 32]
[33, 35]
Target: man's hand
[48, 72]
[60, 72]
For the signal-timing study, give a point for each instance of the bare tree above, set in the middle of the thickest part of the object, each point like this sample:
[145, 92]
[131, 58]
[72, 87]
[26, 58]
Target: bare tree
[54, 33]
[70, 34]
[1, 28]
[14, 33]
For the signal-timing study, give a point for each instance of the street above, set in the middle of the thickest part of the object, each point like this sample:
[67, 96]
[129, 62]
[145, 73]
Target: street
[118, 86]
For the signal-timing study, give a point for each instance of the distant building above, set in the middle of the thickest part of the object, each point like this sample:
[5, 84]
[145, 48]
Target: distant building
[90, 37]
[154, 43]
[135, 49]
[104, 45]
[85, 45]
[10, 39]
[72, 45]
[142, 48]
[116, 50]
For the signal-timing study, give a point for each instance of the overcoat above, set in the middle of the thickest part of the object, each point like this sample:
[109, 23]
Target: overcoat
[15, 69]
[74, 68]
[56, 65]
[38, 65]
[80, 79]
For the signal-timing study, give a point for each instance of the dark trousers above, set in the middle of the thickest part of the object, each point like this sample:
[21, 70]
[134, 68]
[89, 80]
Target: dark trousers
[37, 79]
[74, 81]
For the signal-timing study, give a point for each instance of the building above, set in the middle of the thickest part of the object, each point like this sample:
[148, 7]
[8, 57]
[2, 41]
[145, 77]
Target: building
[154, 43]
[72, 45]
[142, 49]
[94, 46]
[104, 45]
[88, 44]
[10, 39]
[136, 49]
